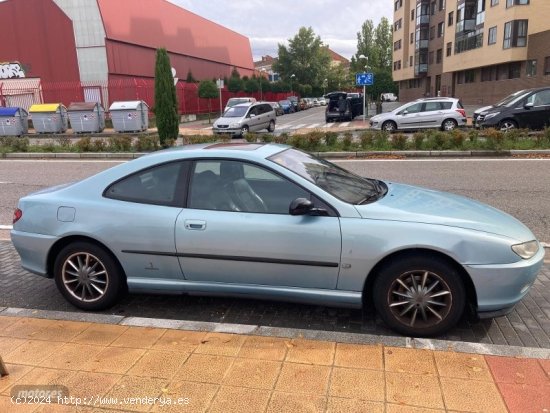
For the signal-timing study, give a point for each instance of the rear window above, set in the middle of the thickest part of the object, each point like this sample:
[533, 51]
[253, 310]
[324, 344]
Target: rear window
[449, 105]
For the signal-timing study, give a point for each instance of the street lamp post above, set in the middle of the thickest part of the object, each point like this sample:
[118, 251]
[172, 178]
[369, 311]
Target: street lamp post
[292, 76]
[325, 86]
[262, 70]
[365, 107]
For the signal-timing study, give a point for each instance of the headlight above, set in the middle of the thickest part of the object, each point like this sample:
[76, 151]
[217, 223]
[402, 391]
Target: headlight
[491, 115]
[527, 249]
[235, 125]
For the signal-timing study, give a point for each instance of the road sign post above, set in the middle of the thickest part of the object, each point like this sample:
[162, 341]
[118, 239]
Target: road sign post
[364, 79]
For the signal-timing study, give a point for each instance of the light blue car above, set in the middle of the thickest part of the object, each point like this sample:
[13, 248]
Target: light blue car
[269, 221]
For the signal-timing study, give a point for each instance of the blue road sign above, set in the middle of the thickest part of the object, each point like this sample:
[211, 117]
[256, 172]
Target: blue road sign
[364, 79]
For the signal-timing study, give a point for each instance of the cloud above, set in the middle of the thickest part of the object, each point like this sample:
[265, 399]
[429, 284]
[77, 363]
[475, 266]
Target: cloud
[267, 24]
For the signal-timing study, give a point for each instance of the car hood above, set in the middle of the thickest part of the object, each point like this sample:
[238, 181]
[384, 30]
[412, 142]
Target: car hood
[226, 121]
[415, 204]
[382, 116]
[484, 109]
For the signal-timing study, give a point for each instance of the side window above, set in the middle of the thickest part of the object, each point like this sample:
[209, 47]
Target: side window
[541, 98]
[224, 185]
[414, 108]
[156, 185]
[431, 106]
[448, 105]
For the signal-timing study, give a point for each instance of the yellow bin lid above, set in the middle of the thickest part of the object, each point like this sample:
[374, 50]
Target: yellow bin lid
[46, 107]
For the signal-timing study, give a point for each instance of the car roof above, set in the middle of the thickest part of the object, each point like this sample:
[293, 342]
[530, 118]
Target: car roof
[435, 98]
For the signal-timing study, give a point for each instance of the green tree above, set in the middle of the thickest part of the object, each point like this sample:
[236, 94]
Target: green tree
[235, 84]
[190, 78]
[384, 45]
[251, 85]
[208, 90]
[306, 57]
[166, 104]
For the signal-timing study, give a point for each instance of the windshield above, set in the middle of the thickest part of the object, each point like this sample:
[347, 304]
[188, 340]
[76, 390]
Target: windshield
[510, 98]
[515, 99]
[284, 102]
[233, 102]
[337, 181]
[235, 112]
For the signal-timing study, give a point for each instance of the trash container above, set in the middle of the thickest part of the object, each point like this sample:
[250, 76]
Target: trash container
[13, 121]
[130, 116]
[49, 118]
[86, 117]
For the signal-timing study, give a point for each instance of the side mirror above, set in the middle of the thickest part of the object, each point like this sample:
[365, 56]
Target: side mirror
[300, 206]
[529, 105]
[405, 112]
[252, 115]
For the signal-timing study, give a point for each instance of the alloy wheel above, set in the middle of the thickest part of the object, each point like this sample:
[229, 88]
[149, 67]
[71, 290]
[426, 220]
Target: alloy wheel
[85, 277]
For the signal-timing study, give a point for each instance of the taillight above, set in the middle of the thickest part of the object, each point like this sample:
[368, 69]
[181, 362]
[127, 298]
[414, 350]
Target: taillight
[462, 112]
[17, 214]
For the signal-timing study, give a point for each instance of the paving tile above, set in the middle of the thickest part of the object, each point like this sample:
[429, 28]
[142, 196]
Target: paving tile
[100, 334]
[138, 387]
[26, 327]
[419, 390]
[220, 344]
[359, 356]
[340, 405]
[6, 405]
[516, 370]
[292, 403]
[407, 360]
[33, 352]
[311, 352]
[61, 331]
[303, 378]
[471, 396]
[139, 337]
[545, 364]
[194, 397]
[257, 374]
[239, 400]
[8, 344]
[161, 364]
[357, 383]
[5, 322]
[16, 372]
[204, 368]
[398, 408]
[38, 376]
[462, 365]
[58, 408]
[71, 356]
[88, 384]
[116, 360]
[177, 340]
[264, 348]
[522, 398]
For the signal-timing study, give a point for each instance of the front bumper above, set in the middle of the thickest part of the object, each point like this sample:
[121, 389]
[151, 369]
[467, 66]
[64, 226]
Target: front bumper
[499, 287]
[33, 250]
[226, 131]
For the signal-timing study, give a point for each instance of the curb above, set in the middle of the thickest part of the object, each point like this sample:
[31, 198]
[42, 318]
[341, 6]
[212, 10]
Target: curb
[326, 155]
[245, 329]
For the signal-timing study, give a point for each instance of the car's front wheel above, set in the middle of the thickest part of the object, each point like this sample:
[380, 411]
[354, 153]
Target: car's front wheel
[244, 131]
[271, 127]
[508, 124]
[389, 126]
[88, 276]
[419, 296]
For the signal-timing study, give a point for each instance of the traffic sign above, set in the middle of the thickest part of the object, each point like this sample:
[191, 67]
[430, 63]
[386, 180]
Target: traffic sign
[364, 79]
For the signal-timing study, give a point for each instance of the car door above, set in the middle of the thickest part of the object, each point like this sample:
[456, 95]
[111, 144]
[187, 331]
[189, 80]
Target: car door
[535, 112]
[430, 115]
[237, 229]
[409, 117]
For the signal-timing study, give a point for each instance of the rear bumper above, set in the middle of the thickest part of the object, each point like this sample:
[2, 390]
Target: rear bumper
[33, 250]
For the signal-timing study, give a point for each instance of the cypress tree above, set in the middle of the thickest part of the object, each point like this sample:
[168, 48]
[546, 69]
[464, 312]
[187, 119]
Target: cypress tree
[166, 104]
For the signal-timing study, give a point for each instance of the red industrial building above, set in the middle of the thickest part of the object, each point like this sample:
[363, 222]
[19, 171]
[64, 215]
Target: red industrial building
[104, 50]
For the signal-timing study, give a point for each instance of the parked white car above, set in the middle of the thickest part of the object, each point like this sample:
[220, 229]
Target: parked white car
[388, 97]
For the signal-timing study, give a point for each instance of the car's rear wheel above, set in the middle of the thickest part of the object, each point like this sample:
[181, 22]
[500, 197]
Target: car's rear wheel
[507, 124]
[389, 126]
[88, 276]
[419, 296]
[271, 127]
[449, 124]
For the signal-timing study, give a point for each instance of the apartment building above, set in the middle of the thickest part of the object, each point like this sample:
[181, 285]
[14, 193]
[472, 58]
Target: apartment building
[477, 50]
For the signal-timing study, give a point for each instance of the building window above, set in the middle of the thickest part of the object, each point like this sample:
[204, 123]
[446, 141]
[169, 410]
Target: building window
[468, 41]
[492, 35]
[450, 19]
[411, 61]
[494, 3]
[432, 8]
[398, 4]
[397, 25]
[397, 45]
[514, 70]
[531, 68]
[431, 57]
[432, 32]
[515, 34]
[412, 14]
[470, 76]
[449, 48]
[439, 56]
[412, 38]
[441, 5]
[440, 29]
[547, 65]
[510, 3]
[488, 73]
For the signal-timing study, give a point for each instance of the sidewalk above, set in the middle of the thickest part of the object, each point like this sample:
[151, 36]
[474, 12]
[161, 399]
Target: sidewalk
[124, 368]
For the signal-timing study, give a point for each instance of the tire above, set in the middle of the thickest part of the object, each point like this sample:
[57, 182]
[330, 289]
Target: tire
[507, 125]
[419, 296]
[449, 124]
[244, 131]
[100, 272]
[389, 126]
[271, 127]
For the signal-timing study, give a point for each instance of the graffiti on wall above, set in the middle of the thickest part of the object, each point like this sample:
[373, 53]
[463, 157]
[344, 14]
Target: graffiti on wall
[11, 70]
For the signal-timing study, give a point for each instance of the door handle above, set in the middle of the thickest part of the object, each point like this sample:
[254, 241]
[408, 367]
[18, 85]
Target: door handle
[195, 224]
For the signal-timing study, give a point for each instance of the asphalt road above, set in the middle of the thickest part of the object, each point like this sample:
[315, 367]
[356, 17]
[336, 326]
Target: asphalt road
[518, 186]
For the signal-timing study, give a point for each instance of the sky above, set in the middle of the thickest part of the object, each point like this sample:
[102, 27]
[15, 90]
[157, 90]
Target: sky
[268, 23]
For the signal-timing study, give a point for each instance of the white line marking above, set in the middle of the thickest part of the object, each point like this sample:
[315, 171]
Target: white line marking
[6, 227]
[299, 126]
[283, 127]
[328, 125]
[208, 128]
[313, 125]
[343, 125]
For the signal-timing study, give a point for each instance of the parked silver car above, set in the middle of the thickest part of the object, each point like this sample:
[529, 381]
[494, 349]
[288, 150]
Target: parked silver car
[443, 113]
[246, 117]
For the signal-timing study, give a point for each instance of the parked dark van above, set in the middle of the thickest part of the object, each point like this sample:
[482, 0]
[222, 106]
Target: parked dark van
[342, 107]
